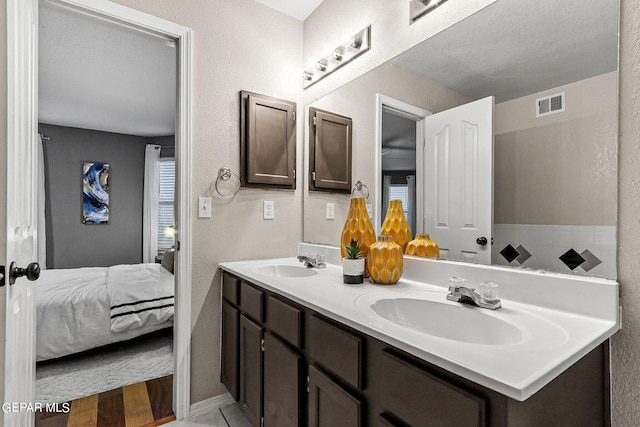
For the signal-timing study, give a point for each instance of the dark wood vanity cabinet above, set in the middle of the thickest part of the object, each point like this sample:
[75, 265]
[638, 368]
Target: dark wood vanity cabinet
[229, 357]
[284, 371]
[289, 366]
[331, 405]
[250, 365]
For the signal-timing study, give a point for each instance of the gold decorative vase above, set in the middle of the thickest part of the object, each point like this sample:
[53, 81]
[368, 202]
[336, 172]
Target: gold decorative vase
[423, 246]
[395, 224]
[358, 227]
[385, 261]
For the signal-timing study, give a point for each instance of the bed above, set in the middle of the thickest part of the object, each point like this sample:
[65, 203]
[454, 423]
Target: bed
[83, 308]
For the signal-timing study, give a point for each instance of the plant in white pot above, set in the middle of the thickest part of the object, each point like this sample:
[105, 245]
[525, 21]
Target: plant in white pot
[353, 264]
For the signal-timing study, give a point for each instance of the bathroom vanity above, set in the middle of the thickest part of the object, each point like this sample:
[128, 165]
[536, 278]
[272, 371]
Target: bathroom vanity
[299, 347]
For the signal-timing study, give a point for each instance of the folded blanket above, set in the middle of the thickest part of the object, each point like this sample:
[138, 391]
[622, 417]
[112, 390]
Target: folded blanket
[139, 295]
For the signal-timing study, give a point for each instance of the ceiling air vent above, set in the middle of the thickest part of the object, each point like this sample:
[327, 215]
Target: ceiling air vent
[550, 105]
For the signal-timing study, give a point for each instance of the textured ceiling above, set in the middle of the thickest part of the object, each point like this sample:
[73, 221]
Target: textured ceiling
[98, 75]
[514, 48]
[298, 9]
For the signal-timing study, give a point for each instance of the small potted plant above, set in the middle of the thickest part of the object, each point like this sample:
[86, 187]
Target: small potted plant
[353, 264]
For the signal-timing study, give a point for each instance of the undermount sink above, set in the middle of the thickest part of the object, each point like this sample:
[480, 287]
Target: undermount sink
[284, 270]
[451, 321]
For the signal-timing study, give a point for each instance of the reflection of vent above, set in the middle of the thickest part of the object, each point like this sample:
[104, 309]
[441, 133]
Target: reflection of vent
[550, 105]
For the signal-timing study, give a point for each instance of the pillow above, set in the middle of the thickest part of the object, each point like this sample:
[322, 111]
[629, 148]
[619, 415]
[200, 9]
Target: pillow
[167, 260]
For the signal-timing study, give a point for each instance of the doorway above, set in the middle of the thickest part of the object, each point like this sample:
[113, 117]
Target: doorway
[130, 20]
[399, 174]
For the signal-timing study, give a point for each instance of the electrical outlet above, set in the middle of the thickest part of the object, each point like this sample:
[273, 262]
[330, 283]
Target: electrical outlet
[269, 208]
[370, 210]
[331, 211]
[204, 207]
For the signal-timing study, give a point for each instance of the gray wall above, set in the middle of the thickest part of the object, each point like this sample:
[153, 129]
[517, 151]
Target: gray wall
[70, 243]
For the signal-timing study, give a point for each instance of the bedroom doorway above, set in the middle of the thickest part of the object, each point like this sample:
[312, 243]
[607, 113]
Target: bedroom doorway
[133, 21]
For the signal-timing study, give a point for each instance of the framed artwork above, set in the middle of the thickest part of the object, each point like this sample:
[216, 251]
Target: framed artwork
[95, 193]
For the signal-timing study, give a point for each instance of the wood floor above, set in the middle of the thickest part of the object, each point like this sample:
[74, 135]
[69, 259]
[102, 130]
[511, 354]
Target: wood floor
[144, 404]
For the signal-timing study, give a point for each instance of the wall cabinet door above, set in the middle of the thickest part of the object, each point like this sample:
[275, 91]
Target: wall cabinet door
[268, 141]
[330, 405]
[229, 368]
[283, 369]
[250, 362]
[329, 151]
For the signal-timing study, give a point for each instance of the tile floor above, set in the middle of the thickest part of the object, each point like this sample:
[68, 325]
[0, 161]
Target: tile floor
[227, 416]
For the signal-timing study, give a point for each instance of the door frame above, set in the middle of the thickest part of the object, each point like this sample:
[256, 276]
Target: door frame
[141, 21]
[414, 113]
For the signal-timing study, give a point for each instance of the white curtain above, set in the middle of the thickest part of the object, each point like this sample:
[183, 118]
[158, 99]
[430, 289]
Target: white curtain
[150, 209]
[411, 203]
[42, 225]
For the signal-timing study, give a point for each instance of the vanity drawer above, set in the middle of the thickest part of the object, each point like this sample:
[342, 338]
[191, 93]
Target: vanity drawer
[337, 350]
[230, 288]
[285, 320]
[413, 395]
[252, 301]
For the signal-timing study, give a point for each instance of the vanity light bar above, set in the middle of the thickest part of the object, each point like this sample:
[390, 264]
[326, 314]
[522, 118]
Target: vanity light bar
[419, 8]
[340, 56]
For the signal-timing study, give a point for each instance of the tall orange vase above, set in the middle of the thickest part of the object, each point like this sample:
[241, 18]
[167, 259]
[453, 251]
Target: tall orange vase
[395, 224]
[359, 228]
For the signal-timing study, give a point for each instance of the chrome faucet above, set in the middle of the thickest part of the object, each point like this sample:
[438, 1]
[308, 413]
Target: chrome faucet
[470, 296]
[312, 260]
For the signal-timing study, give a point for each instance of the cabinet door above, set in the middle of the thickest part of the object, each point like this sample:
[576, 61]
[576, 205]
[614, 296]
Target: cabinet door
[282, 384]
[329, 151]
[229, 368]
[330, 405]
[268, 141]
[413, 395]
[250, 361]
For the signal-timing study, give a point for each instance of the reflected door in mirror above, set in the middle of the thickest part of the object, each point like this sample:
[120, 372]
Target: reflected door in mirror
[459, 180]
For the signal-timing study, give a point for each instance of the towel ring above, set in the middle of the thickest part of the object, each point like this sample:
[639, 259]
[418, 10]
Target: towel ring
[362, 189]
[225, 174]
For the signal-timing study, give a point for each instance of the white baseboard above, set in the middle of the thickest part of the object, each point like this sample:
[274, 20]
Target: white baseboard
[211, 404]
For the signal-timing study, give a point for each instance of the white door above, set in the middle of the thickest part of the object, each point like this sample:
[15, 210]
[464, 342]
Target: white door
[22, 154]
[459, 181]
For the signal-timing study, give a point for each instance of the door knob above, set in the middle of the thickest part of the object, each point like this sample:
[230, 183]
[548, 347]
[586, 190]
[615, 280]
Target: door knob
[32, 272]
[482, 241]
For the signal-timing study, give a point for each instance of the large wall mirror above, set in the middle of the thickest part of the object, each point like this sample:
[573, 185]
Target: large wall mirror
[550, 70]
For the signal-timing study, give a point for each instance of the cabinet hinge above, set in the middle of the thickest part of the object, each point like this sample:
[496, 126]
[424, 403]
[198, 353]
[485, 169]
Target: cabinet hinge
[294, 174]
[294, 116]
[261, 421]
[313, 176]
[307, 383]
[262, 344]
[315, 121]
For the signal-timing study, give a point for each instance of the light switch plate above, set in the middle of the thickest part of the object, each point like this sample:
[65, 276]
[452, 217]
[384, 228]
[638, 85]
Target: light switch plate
[204, 207]
[331, 211]
[268, 209]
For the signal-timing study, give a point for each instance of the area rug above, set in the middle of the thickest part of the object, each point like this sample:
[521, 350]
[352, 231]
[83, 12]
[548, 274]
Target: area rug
[104, 369]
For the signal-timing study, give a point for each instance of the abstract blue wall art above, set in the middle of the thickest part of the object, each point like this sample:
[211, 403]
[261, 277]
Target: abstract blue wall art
[95, 193]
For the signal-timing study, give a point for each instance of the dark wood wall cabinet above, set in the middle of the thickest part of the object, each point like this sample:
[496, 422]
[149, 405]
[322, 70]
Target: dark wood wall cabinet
[329, 151]
[289, 366]
[267, 141]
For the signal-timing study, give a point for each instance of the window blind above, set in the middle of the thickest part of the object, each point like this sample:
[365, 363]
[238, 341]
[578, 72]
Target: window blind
[166, 203]
[400, 192]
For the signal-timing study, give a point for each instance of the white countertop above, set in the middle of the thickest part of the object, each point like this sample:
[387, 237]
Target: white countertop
[552, 339]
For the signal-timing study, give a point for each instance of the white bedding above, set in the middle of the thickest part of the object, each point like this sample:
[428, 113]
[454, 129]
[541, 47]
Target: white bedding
[139, 296]
[73, 311]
